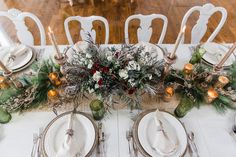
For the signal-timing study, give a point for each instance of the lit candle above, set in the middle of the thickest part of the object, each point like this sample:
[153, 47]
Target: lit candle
[221, 82]
[211, 95]
[180, 36]
[53, 41]
[52, 94]
[227, 55]
[58, 82]
[169, 92]
[3, 83]
[4, 68]
[188, 68]
[54, 78]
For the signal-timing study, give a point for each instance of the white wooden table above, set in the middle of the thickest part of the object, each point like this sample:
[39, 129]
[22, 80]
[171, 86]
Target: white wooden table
[211, 128]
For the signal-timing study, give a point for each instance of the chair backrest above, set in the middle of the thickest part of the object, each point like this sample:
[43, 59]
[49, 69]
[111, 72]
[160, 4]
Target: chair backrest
[86, 24]
[199, 30]
[5, 39]
[23, 34]
[144, 31]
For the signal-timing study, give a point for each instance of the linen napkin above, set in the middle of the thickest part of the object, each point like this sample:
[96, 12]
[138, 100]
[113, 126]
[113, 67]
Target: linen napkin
[16, 52]
[165, 140]
[71, 146]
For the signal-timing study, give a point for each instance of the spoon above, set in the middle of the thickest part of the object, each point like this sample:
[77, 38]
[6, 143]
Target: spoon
[191, 137]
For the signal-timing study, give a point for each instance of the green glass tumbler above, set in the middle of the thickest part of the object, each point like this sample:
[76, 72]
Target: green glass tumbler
[98, 109]
[185, 105]
[5, 117]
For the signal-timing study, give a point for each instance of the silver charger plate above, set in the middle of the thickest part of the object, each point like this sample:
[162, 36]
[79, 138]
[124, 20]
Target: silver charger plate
[34, 55]
[214, 53]
[140, 147]
[29, 61]
[63, 115]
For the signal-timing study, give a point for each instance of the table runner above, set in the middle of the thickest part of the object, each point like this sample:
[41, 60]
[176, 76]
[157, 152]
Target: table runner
[211, 128]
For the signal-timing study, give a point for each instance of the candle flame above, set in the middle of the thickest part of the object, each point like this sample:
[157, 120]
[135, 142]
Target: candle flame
[49, 29]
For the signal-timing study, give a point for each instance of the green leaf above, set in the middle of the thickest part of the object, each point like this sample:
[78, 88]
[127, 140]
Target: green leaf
[197, 56]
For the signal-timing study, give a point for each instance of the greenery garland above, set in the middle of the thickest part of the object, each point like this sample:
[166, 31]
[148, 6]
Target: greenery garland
[192, 87]
[32, 93]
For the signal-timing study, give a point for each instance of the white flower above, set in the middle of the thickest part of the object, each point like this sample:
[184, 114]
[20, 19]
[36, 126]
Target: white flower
[97, 76]
[90, 65]
[150, 76]
[84, 61]
[123, 73]
[133, 65]
[88, 55]
[109, 58]
[132, 82]
[96, 86]
[109, 55]
[129, 56]
[90, 90]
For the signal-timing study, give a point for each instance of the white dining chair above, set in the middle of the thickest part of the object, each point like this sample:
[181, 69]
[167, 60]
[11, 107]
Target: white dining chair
[5, 39]
[199, 30]
[86, 24]
[144, 31]
[23, 34]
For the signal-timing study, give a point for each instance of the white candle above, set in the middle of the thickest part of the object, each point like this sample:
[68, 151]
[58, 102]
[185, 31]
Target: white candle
[223, 60]
[180, 36]
[53, 41]
[4, 68]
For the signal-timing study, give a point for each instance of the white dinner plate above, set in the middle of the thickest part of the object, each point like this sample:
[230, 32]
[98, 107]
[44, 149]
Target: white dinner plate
[54, 134]
[155, 51]
[20, 61]
[143, 135]
[215, 52]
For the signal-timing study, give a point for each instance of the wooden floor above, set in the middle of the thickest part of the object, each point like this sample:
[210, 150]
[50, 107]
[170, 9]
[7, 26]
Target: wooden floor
[54, 12]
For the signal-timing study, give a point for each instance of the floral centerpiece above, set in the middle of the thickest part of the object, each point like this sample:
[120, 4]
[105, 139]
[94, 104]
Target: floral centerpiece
[126, 72]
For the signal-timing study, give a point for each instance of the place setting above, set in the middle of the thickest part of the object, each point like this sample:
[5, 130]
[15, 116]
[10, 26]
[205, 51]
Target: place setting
[214, 53]
[71, 134]
[17, 57]
[158, 133]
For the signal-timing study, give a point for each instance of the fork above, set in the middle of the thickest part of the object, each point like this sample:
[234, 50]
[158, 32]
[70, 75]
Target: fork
[128, 137]
[35, 140]
[188, 143]
[133, 144]
[39, 141]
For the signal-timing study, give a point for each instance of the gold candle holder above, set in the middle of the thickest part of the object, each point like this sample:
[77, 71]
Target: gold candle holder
[211, 95]
[221, 82]
[188, 68]
[54, 78]
[53, 95]
[3, 83]
[169, 92]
